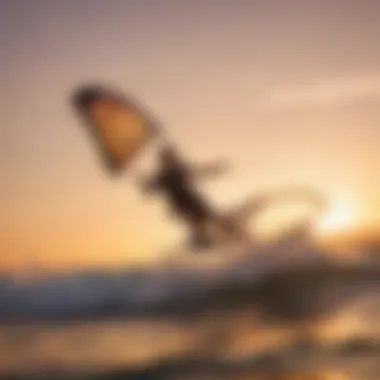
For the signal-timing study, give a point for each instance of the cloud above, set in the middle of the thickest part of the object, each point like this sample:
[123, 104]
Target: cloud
[326, 92]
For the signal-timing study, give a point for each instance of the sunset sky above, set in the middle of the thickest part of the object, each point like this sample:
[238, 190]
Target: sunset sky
[286, 90]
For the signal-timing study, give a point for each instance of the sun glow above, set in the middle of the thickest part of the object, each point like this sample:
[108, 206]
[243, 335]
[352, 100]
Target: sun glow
[340, 217]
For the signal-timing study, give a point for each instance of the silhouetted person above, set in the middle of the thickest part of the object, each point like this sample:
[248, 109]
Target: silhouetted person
[176, 181]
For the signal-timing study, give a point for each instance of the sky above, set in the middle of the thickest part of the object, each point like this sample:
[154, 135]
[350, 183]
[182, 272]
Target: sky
[288, 91]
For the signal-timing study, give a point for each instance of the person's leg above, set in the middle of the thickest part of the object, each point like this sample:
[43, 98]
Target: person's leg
[230, 230]
[199, 235]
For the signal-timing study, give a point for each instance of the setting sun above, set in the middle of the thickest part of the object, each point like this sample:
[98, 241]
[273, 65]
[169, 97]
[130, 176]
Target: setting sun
[340, 217]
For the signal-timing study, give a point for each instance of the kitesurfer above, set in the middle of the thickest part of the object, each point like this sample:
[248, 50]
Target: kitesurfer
[175, 179]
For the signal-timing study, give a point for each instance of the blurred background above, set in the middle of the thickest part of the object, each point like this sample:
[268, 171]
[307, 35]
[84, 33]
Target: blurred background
[93, 279]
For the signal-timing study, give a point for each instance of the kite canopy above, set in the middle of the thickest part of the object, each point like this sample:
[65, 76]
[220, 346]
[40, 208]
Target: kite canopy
[119, 126]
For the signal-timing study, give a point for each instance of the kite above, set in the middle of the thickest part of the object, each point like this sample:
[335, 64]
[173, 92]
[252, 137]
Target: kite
[119, 125]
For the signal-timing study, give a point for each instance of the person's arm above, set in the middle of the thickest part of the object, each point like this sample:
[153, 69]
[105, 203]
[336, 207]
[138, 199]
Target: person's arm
[209, 170]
